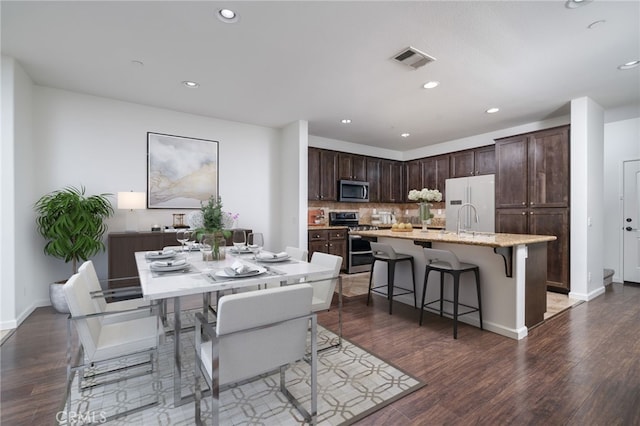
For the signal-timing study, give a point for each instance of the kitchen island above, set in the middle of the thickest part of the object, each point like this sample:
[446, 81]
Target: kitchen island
[513, 274]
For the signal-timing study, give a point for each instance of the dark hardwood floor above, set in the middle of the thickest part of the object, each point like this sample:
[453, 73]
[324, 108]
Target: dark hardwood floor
[581, 367]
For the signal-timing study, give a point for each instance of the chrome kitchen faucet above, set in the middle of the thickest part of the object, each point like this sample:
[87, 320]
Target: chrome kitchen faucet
[460, 209]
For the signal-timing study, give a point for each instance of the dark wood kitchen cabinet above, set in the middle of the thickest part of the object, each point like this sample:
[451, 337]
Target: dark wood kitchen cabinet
[352, 167]
[373, 177]
[331, 241]
[532, 170]
[436, 171]
[414, 174]
[473, 162]
[532, 194]
[391, 181]
[322, 174]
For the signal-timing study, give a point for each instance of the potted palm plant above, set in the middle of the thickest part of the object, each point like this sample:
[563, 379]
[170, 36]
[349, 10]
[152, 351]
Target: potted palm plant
[73, 225]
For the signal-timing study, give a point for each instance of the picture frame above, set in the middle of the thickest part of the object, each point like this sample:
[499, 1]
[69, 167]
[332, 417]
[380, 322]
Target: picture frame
[182, 172]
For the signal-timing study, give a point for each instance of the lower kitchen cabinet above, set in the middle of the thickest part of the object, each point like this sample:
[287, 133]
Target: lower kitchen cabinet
[551, 221]
[331, 241]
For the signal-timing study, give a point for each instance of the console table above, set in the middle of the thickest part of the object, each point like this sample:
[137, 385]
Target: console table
[121, 248]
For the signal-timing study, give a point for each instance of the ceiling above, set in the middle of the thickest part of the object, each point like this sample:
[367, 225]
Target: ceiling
[325, 61]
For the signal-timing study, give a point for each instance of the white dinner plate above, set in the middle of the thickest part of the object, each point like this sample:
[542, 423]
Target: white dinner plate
[160, 254]
[258, 271]
[266, 259]
[168, 268]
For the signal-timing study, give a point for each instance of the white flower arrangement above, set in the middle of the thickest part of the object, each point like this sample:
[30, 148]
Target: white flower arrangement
[425, 195]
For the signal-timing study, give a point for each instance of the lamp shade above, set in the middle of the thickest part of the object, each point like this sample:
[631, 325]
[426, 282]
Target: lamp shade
[132, 200]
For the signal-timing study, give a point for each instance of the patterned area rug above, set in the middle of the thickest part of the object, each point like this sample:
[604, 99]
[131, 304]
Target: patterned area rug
[352, 383]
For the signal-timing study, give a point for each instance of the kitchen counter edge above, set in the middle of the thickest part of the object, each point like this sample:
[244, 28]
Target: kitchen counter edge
[486, 240]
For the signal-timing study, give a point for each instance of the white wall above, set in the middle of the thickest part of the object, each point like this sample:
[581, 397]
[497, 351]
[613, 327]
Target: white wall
[77, 139]
[622, 142]
[293, 184]
[587, 165]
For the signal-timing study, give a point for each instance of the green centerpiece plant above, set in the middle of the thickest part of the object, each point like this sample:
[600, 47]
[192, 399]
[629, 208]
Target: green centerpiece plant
[73, 226]
[213, 219]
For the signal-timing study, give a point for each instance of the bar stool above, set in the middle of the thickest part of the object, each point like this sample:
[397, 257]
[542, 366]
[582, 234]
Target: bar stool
[444, 261]
[386, 253]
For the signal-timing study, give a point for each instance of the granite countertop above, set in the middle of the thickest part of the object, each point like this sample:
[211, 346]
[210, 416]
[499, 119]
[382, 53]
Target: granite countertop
[479, 239]
[321, 227]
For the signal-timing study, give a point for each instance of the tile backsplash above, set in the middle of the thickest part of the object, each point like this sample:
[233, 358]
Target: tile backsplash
[406, 212]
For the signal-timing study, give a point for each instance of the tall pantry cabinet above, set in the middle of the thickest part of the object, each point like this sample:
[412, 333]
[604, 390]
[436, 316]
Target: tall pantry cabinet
[532, 194]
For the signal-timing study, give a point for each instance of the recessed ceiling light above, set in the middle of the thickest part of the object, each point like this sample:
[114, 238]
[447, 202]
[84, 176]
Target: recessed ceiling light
[629, 65]
[573, 4]
[190, 84]
[345, 121]
[227, 16]
[405, 135]
[596, 24]
[492, 110]
[431, 84]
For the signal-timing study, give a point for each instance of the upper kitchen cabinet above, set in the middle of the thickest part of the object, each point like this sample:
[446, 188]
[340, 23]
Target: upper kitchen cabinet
[549, 168]
[435, 172]
[414, 174]
[373, 177]
[322, 174]
[473, 162]
[532, 170]
[352, 167]
[391, 181]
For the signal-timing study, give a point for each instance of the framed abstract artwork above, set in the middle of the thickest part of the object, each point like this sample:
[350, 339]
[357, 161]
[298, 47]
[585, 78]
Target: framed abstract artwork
[181, 172]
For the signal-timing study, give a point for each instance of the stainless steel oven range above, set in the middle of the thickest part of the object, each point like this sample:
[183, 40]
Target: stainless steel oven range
[359, 256]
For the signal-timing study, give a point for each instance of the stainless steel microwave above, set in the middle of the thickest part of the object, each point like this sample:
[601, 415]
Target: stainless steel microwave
[352, 190]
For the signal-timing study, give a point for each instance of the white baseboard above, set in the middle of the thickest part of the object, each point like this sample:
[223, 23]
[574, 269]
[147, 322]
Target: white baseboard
[11, 324]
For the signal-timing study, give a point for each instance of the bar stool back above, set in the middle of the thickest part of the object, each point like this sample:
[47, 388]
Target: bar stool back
[386, 253]
[445, 261]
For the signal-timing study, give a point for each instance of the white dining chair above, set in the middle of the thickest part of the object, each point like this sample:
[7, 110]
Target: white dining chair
[297, 253]
[102, 342]
[92, 281]
[255, 333]
[324, 287]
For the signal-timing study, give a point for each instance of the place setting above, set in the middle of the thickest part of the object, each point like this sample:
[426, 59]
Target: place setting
[269, 257]
[237, 270]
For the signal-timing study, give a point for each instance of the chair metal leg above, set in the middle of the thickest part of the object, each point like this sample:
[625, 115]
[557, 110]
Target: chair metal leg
[476, 271]
[456, 289]
[424, 291]
[441, 291]
[413, 280]
[391, 270]
[370, 282]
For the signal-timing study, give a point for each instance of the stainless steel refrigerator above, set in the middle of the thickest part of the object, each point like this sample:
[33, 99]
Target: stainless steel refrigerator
[477, 190]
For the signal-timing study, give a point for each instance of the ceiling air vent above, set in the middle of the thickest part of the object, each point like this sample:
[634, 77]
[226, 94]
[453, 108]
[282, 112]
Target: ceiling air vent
[413, 58]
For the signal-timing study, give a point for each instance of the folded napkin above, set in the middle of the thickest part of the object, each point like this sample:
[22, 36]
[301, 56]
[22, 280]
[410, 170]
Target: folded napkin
[281, 255]
[164, 264]
[238, 268]
[165, 252]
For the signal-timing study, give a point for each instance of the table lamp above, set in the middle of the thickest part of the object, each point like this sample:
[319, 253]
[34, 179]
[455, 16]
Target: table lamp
[132, 201]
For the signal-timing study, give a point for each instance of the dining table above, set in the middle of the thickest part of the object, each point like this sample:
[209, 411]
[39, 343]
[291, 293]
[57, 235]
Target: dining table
[172, 273]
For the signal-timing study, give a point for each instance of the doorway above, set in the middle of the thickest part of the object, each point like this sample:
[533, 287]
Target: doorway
[631, 221]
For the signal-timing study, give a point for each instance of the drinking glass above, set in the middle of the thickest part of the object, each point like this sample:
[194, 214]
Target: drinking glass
[239, 240]
[182, 236]
[206, 248]
[256, 242]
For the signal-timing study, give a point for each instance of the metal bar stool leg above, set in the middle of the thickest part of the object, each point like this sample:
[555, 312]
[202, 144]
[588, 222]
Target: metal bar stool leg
[424, 291]
[441, 291]
[413, 280]
[391, 269]
[456, 291]
[370, 281]
[476, 271]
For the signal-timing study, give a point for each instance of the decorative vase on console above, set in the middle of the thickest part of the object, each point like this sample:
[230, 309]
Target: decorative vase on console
[424, 197]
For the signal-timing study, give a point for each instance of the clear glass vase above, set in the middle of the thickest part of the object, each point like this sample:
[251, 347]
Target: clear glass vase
[424, 212]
